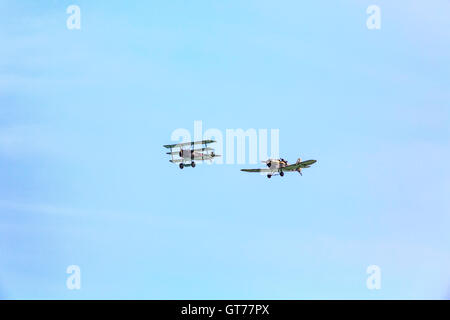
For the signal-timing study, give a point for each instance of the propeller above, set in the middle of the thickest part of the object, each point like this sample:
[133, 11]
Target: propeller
[267, 162]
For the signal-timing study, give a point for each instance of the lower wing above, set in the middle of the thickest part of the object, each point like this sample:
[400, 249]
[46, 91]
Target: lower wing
[176, 160]
[205, 157]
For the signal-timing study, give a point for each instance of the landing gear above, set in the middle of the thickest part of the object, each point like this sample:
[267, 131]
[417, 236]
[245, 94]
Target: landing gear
[281, 173]
[193, 164]
[181, 165]
[269, 176]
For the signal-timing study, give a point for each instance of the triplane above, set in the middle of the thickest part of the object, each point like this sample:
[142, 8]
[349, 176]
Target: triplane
[187, 154]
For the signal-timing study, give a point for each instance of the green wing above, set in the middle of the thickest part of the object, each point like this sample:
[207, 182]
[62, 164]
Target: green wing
[292, 167]
[301, 165]
[257, 170]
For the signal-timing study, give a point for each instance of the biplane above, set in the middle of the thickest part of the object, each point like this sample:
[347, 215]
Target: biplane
[187, 152]
[280, 166]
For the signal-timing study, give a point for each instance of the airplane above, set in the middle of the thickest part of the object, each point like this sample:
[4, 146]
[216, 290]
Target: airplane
[188, 155]
[280, 166]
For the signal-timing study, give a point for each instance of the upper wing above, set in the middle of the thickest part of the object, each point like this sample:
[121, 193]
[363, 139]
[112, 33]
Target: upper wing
[257, 170]
[188, 143]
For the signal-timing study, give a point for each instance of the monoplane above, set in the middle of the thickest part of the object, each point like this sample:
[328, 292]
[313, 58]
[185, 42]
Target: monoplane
[280, 166]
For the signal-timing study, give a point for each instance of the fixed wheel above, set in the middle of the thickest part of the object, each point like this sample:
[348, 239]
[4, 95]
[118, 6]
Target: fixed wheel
[193, 164]
[269, 176]
[181, 166]
[281, 173]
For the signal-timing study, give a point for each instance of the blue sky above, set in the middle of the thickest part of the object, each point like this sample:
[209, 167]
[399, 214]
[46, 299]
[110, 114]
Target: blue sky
[84, 179]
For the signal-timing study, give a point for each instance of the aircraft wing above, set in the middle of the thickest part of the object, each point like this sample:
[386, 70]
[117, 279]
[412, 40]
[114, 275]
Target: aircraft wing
[195, 150]
[301, 165]
[188, 143]
[206, 157]
[204, 149]
[257, 170]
